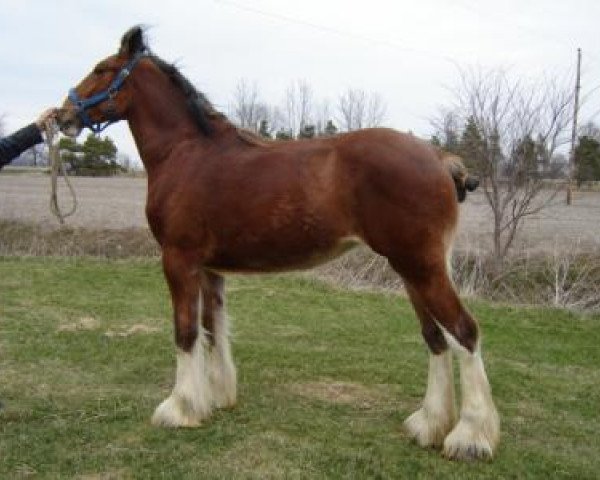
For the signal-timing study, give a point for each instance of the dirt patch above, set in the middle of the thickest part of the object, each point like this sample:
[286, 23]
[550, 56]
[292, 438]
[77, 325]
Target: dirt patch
[86, 324]
[556, 228]
[260, 456]
[288, 331]
[138, 329]
[83, 324]
[342, 393]
[107, 203]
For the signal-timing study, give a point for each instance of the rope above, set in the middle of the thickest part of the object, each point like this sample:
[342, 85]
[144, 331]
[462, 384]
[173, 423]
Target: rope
[57, 166]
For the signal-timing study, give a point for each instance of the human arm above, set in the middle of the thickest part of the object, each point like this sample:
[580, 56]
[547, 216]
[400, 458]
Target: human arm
[15, 144]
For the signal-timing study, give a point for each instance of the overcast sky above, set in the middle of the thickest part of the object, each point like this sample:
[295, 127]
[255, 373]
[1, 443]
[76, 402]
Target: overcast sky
[408, 52]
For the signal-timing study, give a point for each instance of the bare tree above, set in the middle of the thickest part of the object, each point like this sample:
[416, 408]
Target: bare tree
[269, 116]
[305, 103]
[357, 109]
[246, 105]
[248, 110]
[275, 119]
[512, 130]
[447, 129]
[351, 108]
[298, 106]
[322, 115]
[376, 110]
[38, 155]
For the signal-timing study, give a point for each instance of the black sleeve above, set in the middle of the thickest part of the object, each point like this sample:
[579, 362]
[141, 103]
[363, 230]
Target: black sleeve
[15, 144]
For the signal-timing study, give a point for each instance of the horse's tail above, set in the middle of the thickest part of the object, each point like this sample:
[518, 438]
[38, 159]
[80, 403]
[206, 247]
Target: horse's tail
[463, 181]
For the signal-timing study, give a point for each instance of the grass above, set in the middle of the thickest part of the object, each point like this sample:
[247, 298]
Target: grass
[326, 378]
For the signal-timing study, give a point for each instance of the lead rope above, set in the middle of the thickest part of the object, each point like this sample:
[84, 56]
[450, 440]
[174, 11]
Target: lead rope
[57, 166]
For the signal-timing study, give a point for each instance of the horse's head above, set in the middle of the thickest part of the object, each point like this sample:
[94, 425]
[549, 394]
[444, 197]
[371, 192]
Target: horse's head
[103, 97]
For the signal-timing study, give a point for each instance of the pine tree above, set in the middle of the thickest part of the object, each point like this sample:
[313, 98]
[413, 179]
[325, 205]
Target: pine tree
[284, 134]
[435, 141]
[97, 156]
[471, 146]
[307, 131]
[263, 130]
[330, 129]
[587, 160]
[523, 163]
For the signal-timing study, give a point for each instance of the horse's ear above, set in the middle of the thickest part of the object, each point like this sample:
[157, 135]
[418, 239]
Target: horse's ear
[133, 41]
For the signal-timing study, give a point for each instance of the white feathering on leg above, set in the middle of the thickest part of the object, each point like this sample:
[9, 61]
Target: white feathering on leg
[222, 373]
[477, 432]
[190, 401]
[431, 423]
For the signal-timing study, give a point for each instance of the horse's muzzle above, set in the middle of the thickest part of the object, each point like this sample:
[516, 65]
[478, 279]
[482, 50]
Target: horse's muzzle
[69, 122]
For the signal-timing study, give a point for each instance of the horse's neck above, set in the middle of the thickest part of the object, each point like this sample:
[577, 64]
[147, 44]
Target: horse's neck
[156, 138]
[159, 122]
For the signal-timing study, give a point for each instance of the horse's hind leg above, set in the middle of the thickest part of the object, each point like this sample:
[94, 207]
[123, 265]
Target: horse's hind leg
[190, 401]
[477, 432]
[430, 424]
[221, 369]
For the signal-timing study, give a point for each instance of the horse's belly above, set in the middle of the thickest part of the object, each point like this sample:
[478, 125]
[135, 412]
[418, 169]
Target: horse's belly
[280, 259]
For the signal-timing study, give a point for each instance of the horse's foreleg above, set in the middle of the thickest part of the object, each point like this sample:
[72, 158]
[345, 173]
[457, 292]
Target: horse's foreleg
[430, 424]
[190, 401]
[221, 369]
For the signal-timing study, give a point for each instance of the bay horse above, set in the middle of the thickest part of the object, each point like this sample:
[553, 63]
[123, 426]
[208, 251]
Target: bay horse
[220, 200]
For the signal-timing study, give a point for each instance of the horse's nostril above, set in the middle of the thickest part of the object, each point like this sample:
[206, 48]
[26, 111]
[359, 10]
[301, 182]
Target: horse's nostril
[63, 123]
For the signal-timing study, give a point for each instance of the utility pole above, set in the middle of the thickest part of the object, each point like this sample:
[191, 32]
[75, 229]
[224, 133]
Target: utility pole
[574, 131]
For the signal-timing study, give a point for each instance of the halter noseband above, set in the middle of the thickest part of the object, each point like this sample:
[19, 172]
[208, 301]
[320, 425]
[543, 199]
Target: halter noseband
[83, 104]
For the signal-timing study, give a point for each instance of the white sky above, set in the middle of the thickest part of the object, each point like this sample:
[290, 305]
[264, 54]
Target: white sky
[405, 51]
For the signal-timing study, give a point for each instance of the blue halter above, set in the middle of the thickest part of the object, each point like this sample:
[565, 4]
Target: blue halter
[83, 104]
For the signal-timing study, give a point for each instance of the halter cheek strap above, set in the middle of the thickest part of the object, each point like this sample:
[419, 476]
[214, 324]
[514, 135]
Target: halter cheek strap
[84, 104]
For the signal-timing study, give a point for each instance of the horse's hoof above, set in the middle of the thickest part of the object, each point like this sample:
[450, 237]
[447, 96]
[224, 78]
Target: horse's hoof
[173, 412]
[224, 402]
[468, 451]
[224, 394]
[428, 429]
[471, 440]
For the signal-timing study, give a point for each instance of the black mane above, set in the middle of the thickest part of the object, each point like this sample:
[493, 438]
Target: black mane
[202, 111]
[199, 106]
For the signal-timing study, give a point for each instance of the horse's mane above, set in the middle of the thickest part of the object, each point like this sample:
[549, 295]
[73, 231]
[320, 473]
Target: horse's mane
[199, 106]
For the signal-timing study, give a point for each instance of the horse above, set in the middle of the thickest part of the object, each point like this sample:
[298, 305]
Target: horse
[221, 200]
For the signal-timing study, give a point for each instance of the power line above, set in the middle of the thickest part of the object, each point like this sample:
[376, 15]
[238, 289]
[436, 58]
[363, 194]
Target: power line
[336, 31]
[510, 22]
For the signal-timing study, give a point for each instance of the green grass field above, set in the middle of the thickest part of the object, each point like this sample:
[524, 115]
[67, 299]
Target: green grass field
[326, 378]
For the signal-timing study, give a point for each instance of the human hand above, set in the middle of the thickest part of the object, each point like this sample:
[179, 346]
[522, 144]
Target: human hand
[45, 120]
